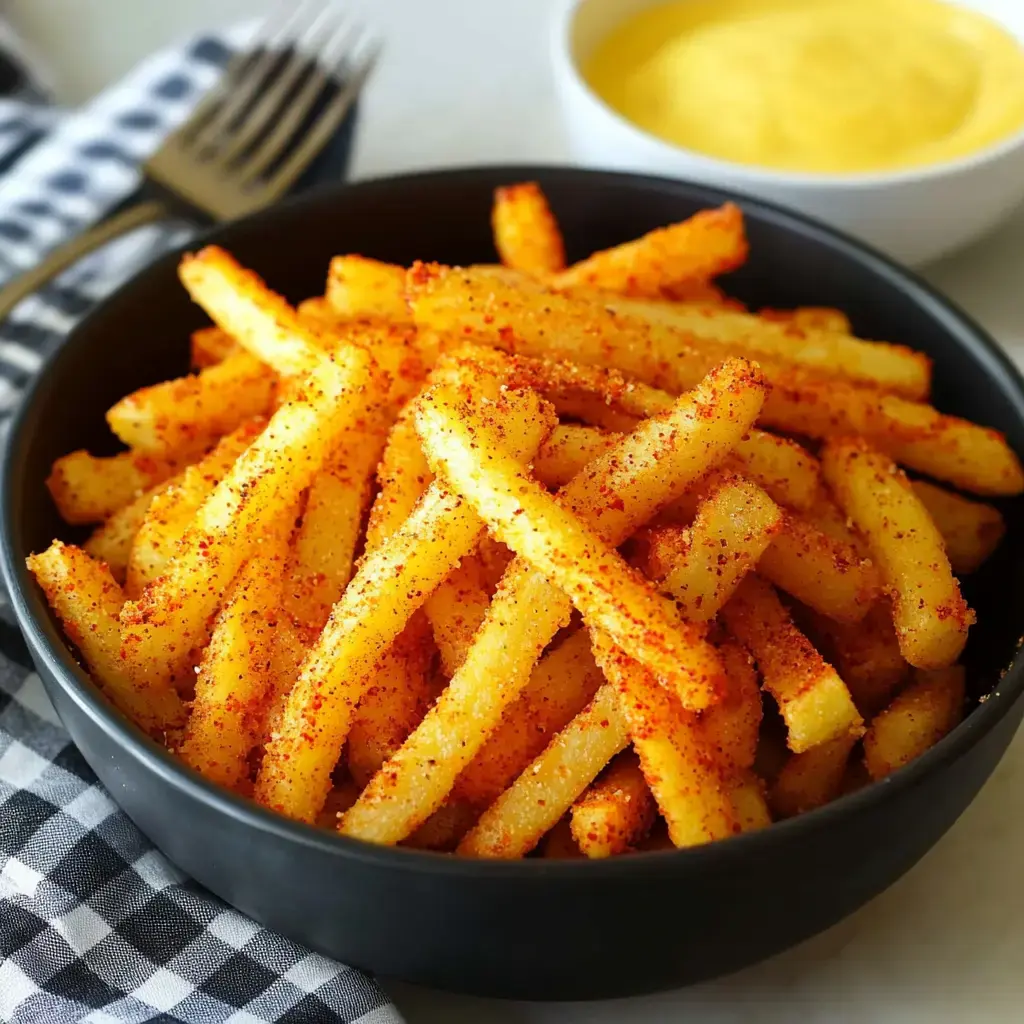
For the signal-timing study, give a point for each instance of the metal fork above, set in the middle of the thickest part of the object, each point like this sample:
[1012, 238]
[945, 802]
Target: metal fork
[274, 109]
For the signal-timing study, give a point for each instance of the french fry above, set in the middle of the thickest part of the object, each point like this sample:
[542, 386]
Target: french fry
[731, 729]
[112, 541]
[617, 493]
[867, 656]
[359, 288]
[915, 721]
[90, 488]
[456, 611]
[559, 688]
[162, 628]
[444, 828]
[815, 703]
[691, 788]
[930, 615]
[812, 778]
[325, 543]
[616, 810]
[476, 307]
[238, 302]
[814, 318]
[392, 581]
[526, 234]
[710, 243]
[87, 601]
[403, 476]
[233, 682]
[702, 565]
[533, 804]
[210, 346]
[173, 508]
[610, 595]
[747, 793]
[568, 449]
[188, 414]
[970, 530]
[891, 368]
[822, 572]
[394, 704]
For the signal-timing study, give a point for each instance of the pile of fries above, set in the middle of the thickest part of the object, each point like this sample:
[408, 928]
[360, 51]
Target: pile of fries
[503, 559]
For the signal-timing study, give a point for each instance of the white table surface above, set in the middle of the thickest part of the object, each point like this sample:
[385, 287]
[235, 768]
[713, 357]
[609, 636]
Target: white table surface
[466, 81]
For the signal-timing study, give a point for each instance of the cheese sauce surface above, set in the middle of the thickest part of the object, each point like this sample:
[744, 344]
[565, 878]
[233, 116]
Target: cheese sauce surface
[828, 86]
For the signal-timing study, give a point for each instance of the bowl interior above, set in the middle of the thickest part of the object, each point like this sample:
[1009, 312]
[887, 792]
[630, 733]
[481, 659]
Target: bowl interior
[140, 335]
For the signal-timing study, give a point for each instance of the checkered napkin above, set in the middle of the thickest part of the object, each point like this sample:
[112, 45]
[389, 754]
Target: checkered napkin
[96, 927]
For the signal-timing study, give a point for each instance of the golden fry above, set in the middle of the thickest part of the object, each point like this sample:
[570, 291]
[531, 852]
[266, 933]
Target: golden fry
[90, 488]
[210, 346]
[526, 234]
[815, 703]
[915, 721]
[812, 778]
[359, 288]
[664, 261]
[186, 415]
[112, 541]
[731, 729]
[970, 530]
[87, 601]
[930, 615]
[616, 810]
[456, 611]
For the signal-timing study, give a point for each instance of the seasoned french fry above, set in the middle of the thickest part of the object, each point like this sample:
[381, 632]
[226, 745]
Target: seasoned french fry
[188, 414]
[559, 688]
[617, 493]
[394, 704]
[87, 601]
[533, 804]
[546, 325]
[814, 318]
[233, 682]
[238, 302]
[526, 234]
[444, 828]
[747, 793]
[112, 542]
[710, 243]
[893, 368]
[210, 346]
[930, 615]
[702, 565]
[568, 449]
[403, 476]
[970, 530]
[822, 572]
[916, 720]
[610, 595]
[616, 810]
[161, 629]
[359, 288]
[867, 656]
[173, 508]
[325, 544]
[90, 488]
[456, 611]
[731, 729]
[392, 581]
[815, 703]
[691, 789]
[812, 778]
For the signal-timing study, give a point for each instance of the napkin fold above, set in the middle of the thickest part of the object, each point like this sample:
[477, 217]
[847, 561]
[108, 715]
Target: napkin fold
[96, 926]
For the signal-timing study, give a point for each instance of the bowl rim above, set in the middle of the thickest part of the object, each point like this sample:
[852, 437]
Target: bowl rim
[754, 175]
[47, 645]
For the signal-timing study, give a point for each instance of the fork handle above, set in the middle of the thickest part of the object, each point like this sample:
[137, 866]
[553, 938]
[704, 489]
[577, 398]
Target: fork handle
[81, 245]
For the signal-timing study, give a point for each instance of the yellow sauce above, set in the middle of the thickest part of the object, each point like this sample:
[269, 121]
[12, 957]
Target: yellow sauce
[828, 86]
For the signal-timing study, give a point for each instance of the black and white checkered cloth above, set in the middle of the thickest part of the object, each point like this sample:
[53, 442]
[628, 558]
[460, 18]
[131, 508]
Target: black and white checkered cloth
[96, 927]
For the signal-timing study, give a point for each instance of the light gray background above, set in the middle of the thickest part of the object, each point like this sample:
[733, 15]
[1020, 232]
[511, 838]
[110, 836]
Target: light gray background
[467, 81]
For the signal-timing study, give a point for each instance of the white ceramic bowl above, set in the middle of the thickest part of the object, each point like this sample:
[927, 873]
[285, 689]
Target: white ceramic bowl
[913, 215]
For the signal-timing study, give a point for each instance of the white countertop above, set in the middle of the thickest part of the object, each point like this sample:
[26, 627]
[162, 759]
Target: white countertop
[466, 81]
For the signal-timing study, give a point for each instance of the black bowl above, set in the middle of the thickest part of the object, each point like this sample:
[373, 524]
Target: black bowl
[532, 929]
